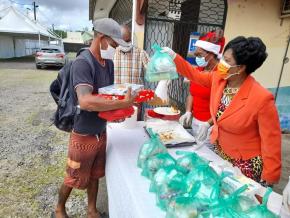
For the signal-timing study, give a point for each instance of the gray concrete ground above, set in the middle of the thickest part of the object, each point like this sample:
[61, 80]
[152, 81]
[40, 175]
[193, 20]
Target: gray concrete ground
[33, 153]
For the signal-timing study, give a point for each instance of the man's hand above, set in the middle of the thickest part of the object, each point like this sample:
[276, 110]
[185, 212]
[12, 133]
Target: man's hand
[129, 97]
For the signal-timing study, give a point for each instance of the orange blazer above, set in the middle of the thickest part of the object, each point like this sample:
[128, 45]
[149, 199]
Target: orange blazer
[249, 127]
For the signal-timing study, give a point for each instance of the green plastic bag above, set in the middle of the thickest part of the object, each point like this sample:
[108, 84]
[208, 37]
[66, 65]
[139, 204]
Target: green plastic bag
[160, 67]
[208, 178]
[154, 163]
[186, 205]
[229, 207]
[182, 207]
[190, 160]
[238, 201]
[261, 210]
[235, 205]
[167, 183]
[220, 213]
[162, 175]
[152, 147]
[174, 185]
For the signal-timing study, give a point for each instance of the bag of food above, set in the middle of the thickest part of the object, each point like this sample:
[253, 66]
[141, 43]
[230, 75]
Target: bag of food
[154, 163]
[220, 212]
[161, 176]
[160, 67]
[261, 210]
[231, 206]
[173, 186]
[190, 160]
[239, 201]
[186, 205]
[209, 180]
[182, 207]
[150, 148]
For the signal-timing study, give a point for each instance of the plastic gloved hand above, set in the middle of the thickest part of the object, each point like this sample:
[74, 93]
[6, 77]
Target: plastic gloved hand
[185, 119]
[202, 132]
[286, 197]
[169, 51]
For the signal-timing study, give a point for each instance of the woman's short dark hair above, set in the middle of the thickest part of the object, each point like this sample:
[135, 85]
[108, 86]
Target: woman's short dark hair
[249, 51]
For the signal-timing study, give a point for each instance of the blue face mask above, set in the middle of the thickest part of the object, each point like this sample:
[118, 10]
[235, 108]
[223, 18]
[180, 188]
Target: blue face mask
[201, 62]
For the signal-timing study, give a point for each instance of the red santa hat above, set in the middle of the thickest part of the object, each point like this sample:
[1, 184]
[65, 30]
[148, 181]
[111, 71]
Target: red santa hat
[208, 46]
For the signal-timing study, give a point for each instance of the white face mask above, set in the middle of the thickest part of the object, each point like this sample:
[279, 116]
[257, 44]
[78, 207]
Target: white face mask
[109, 53]
[126, 48]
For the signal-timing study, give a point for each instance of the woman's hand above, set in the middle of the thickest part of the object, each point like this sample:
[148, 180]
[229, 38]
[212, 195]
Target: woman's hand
[185, 119]
[202, 132]
[169, 51]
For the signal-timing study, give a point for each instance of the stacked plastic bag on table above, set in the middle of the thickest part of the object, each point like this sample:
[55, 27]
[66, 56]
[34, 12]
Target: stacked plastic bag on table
[154, 163]
[160, 66]
[190, 187]
[150, 148]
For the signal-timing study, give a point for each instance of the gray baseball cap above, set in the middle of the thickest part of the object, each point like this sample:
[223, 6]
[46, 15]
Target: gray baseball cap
[111, 28]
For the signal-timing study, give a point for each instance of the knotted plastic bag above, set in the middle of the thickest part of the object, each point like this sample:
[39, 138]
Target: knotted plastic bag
[172, 186]
[190, 160]
[161, 176]
[220, 213]
[160, 66]
[154, 163]
[261, 210]
[239, 201]
[182, 207]
[150, 148]
[232, 206]
[208, 178]
[186, 205]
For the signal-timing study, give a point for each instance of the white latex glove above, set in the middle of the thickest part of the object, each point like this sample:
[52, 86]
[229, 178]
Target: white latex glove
[286, 197]
[185, 119]
[169, 51]
[202, 132]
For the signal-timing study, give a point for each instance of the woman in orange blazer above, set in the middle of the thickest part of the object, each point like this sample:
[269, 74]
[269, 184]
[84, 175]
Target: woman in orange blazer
[246, 128]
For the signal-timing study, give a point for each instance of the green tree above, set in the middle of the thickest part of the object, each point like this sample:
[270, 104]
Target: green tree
[61, 33]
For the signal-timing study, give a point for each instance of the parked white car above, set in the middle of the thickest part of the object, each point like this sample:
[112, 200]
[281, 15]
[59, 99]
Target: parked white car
[50, 56]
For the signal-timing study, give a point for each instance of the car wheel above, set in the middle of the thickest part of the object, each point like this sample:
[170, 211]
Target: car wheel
[38, 66]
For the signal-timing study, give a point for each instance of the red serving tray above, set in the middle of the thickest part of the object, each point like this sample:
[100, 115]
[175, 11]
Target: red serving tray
[119, 114]
[142, 96]
[153, 114]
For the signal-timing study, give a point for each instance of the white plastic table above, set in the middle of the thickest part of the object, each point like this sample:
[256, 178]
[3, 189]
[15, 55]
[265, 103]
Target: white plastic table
[128, 191]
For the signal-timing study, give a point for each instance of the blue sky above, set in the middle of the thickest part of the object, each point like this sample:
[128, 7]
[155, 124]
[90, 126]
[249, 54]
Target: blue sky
[64, 14]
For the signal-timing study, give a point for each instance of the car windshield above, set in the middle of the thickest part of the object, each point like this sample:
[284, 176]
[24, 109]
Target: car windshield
[50, 50]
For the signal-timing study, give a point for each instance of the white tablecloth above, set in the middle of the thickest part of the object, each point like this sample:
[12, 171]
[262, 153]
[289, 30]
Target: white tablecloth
[128, 191]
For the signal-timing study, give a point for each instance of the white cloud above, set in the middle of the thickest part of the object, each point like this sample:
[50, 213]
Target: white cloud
[64, 14]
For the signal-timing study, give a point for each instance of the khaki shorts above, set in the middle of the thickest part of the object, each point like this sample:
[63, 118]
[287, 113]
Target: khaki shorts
[86, 159]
